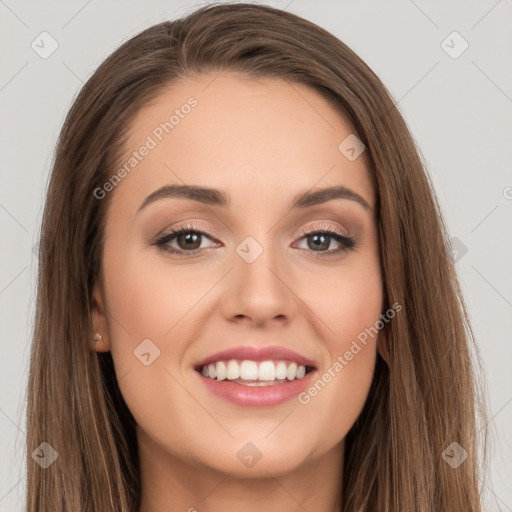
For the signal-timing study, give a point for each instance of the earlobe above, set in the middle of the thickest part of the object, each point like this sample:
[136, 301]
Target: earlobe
[100, 338]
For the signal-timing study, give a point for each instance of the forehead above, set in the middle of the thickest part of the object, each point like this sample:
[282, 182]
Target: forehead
[260, 139]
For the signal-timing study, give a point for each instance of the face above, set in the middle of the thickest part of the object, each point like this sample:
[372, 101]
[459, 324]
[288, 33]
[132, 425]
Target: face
[277, 284]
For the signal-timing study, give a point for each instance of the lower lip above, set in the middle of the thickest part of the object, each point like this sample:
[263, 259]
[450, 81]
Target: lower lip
[257, 396]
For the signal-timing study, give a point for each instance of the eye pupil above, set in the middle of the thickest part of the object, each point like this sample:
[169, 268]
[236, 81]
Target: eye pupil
[318, 243]
[189, 237]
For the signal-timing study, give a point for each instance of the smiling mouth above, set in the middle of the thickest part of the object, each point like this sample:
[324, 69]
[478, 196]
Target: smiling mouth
[255, 373]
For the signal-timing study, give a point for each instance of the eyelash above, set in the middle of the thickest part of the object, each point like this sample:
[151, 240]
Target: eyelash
[347, 243]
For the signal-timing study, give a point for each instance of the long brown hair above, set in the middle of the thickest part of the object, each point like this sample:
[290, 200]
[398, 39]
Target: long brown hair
[424, 399]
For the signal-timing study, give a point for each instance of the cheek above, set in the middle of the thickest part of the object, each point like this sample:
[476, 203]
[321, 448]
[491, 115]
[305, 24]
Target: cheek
[148, 300]
[147, 297]
[346, 298]
[338, 394]
[349, 304]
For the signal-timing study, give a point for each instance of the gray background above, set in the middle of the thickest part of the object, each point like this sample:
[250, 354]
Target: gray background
[458, 109]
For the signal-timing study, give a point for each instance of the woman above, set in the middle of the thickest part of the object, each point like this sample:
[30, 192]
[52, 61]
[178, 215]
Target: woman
[191, 350]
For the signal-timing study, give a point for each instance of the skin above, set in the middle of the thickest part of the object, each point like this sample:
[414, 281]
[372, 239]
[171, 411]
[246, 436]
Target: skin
[262, 141]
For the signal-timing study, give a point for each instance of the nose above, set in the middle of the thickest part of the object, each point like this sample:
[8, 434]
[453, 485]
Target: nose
[259, 292]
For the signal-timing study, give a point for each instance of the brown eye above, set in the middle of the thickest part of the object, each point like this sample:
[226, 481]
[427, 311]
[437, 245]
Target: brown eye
[320, 240]
[189, 240]
[184, 240]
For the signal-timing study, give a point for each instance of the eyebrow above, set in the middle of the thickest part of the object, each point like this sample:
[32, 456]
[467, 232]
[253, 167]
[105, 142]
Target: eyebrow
[217, 197]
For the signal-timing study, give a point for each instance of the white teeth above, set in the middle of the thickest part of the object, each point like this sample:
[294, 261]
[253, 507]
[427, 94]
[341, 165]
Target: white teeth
[249, 370]
[233, 371]
[266, 371]
[281, 370]
[221, 371]
[291, 373]
[246, 370]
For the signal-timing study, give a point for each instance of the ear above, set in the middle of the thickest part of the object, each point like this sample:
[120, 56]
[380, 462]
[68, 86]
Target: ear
[99, 322]
[383, 345]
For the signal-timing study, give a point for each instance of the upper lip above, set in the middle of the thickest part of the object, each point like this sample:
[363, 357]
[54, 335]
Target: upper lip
[273, 352]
